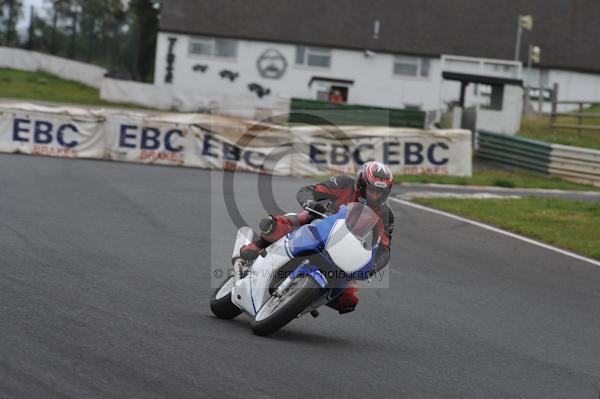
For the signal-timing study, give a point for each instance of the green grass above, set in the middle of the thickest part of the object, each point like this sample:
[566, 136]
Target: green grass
[572, 225]
[593, 109]
[538, 128]
[40, 86]
[500, 178]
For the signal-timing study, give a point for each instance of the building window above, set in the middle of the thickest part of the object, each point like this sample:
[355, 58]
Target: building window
[313, 56]
[411, 66]
[492, 96]
[424, 72]
[213, 47]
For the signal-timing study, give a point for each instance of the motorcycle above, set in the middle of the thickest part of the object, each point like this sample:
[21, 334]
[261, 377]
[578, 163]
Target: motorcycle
[300, 272]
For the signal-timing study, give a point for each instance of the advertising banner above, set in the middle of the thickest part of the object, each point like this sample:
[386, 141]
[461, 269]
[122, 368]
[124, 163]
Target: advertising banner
[134, 138]
[59, 132]
[227, 143]
[406, 151]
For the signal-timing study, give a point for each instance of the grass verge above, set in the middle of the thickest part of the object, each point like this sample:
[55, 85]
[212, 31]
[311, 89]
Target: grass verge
[538, 128]
[500, 178]
[572, 225]
[40, 86]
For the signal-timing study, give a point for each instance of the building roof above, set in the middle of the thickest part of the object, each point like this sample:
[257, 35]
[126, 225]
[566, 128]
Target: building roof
[567, 31]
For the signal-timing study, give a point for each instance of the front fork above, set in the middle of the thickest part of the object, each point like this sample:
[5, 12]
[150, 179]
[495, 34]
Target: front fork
[238, 269]
[304, 269]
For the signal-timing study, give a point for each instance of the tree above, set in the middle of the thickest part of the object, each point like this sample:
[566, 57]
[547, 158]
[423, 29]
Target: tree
[56, 32]
[89, 30]
[10, 13]
[117, 34]
[145, 29]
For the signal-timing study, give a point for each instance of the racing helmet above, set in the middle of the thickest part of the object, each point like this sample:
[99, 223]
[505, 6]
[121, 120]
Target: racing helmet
[373, 184]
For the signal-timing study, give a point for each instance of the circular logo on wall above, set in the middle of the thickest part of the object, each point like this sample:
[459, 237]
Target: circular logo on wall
[271, 64]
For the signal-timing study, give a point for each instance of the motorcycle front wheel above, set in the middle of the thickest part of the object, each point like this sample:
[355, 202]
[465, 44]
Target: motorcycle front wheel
[220, 301]
[279, 311]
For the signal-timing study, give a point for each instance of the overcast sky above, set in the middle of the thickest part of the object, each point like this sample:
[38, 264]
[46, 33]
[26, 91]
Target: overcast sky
[38, 4]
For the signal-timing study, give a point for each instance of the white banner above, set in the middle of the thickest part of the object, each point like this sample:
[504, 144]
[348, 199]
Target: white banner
[135, 139]
[219, 142]
[406, 151]
[252, 147]
[59, 132]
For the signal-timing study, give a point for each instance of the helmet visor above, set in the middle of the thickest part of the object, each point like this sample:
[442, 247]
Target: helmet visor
[376, 195]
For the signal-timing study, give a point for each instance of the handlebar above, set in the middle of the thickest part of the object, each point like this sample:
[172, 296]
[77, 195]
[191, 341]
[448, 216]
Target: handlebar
[316, 212]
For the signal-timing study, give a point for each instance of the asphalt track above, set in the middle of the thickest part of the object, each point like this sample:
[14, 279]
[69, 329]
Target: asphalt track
[105, 276]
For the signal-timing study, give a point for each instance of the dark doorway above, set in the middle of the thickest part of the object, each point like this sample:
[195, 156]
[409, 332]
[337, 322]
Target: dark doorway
[338, 94]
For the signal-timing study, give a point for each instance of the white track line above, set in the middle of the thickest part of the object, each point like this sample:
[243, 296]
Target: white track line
[502, 189]
[499, 231]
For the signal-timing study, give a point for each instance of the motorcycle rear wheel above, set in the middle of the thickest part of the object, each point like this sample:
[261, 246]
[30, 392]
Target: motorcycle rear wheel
[220, 301]
[279, 311]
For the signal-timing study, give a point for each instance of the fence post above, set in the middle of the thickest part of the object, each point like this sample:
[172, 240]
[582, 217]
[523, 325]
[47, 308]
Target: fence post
[541, 97]
[554, 100]
[31, 28]
[527, 102]
[579, 118]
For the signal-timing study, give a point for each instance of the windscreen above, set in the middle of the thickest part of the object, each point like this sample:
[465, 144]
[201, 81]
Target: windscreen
[360, 219]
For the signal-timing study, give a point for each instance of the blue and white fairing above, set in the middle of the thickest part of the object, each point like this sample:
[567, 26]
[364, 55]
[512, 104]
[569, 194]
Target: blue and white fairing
[341, 244]
[344, 242]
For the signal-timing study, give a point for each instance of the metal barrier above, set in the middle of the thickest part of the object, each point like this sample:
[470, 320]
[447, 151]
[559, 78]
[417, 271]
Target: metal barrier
[577, 164]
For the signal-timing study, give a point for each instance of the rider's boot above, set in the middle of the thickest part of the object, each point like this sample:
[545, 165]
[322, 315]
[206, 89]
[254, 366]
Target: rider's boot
[251, 251]
[272, 228]
[347, 301]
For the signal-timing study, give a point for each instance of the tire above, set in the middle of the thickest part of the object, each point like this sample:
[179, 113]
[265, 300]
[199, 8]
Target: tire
[308, 291]
[220, 302]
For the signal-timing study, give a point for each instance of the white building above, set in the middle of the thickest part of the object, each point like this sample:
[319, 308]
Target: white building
[299, 71]
[383, 53]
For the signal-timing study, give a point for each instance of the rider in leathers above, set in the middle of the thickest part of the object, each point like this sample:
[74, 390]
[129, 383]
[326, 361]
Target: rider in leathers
[371, 186]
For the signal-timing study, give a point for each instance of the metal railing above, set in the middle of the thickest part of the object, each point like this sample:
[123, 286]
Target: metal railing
[576, 164]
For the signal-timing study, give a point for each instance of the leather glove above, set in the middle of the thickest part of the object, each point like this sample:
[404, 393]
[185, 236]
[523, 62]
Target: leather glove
[267, 225]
